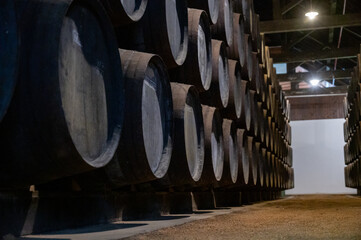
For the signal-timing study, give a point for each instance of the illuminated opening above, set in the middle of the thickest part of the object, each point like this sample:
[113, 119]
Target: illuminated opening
[311, 15]
[314, 82]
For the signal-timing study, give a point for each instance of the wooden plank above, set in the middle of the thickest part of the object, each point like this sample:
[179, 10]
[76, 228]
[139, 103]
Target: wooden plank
[316, 91]
[291, 57]
[305, 76]
[289, 6]
[305, 24]
[311, 108]
[276, 9]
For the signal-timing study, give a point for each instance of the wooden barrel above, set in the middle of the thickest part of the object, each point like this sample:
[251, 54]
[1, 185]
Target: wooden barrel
[263, 51]
[8, 53]
[283, 149]
[346, 133]
[125, 12]
[210, 6]
[244, 7]
[261, 123]
[272, 98]
[247, 7]
[260, 164]
[244, 120]
[263, 80]
[234, 107]
[358, 66]
[188, 148]
[270, 169]
[271, 134]
[243, 158]
[266, 171]
[345, 107]
[290, 156]
[292, 179]
[286, 176]
[254, 114]
[355, 173]
[236, 50]
[67, 111]
[268, 99]
[266, 128]
[252, 153]
[223, 29]
[282, 176]
[346, 153]
[145, 148]
[277, 143]
[349, 175]
[165, 30]
[197, 68]
[256, 35]
[275, 82]
[273, 137]
[218, 93]
[260, 81]
[288, 107]
[231, 161]
[279, 173]
[247, 69]
[255, 79]
[269, 66]
[213, 146]
[274, 171]
[347, 178]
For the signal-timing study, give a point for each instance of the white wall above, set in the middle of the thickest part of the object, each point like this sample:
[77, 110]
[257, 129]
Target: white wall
[318, 157]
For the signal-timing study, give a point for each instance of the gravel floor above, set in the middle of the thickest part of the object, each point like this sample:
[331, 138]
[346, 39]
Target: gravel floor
[298, 217]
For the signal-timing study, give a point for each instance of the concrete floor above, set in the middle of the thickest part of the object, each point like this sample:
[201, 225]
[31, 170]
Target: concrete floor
[296, 217]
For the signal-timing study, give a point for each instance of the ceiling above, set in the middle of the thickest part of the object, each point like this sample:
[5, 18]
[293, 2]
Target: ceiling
[326, 47]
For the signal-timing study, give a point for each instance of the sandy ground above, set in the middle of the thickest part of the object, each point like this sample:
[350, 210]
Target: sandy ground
[298, 217]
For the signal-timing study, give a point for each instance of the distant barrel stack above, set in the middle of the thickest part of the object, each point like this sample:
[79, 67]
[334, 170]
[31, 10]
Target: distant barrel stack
[351, 127]
[147, 95]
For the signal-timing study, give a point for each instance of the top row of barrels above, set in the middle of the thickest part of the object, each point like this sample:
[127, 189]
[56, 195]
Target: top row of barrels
[64, 98]
[160, 27]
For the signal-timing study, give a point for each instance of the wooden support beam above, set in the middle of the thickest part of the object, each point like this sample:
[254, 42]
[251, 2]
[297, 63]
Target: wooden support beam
[352, 32]
[276, 9]
[305, 76]
[289, 6]
[291, 57]
[316, 91]
[316, 107]
[294, 42]
[305, 24]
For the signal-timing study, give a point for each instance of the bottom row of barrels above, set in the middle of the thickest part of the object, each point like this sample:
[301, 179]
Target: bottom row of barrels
[353, 174]
[207, 151]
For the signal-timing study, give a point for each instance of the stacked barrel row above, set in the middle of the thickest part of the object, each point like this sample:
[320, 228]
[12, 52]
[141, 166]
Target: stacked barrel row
[152, 94]
[352, 134]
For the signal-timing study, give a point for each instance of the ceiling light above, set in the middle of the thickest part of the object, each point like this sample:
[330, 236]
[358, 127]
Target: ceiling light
[311, 15]
[314, 82]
